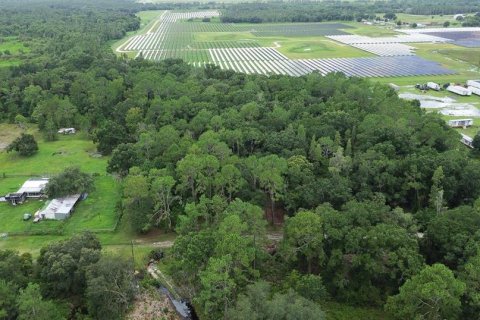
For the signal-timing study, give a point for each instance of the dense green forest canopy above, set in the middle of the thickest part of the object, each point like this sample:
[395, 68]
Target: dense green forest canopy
[377, 198]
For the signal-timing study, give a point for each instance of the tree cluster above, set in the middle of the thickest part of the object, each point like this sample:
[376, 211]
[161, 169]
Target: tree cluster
[71, 279]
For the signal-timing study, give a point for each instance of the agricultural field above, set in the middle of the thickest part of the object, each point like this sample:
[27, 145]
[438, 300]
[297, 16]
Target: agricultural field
[296, 49]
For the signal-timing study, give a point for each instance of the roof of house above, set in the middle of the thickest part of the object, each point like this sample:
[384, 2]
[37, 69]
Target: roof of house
[33, 185]
[59, 206]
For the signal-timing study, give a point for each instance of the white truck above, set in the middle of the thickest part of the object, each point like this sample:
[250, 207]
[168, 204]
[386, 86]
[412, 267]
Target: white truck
[459, 90]
[473, 83]
[433, 86]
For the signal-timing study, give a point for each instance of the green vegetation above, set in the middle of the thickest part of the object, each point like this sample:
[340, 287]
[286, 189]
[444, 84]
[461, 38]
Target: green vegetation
[372, 200]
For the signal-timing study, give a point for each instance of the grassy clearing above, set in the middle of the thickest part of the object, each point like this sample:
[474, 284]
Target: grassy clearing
[53, 157]
[317, 47]
[10, 50]
[12, 45]
[98, 211]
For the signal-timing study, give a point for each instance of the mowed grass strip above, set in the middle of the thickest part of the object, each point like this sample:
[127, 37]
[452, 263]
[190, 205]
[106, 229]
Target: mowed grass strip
[99, 210]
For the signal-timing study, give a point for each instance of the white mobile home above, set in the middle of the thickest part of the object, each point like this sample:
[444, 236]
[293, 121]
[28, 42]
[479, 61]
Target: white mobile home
[459, 90]
[474, 83]
[474, 90]
[460, 123]
[466, 140]
[32, 188]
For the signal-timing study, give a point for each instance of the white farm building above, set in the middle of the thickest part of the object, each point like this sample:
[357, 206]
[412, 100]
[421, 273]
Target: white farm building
[474, 83]
[59, 208]
[459, 90]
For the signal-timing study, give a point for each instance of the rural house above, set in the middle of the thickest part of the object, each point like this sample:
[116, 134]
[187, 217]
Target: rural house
[58, 208]
[31, 189]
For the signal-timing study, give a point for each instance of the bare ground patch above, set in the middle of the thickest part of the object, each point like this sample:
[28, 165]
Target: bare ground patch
[151, 305]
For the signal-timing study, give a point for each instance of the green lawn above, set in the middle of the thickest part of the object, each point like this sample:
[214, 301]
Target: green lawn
[317, 47]
[98, 211]
[53, 157]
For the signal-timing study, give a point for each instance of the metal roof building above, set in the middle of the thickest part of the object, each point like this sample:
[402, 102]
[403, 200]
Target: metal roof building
[59, 208]
[33, 187]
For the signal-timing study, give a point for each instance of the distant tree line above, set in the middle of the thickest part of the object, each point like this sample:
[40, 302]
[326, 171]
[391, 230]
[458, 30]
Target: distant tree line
[318, 11]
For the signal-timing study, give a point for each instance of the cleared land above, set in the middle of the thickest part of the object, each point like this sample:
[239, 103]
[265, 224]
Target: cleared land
[11, 51]
[96, 213]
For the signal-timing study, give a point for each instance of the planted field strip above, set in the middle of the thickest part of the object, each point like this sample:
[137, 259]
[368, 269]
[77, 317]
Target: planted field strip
[224, 44]
[246, 54]
[404, 38]
[191, 56]
[186, 26]
[386, 50]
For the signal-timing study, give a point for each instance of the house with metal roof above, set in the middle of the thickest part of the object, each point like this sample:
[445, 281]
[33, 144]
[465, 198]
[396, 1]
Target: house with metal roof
[32, 188]
[59, 208]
